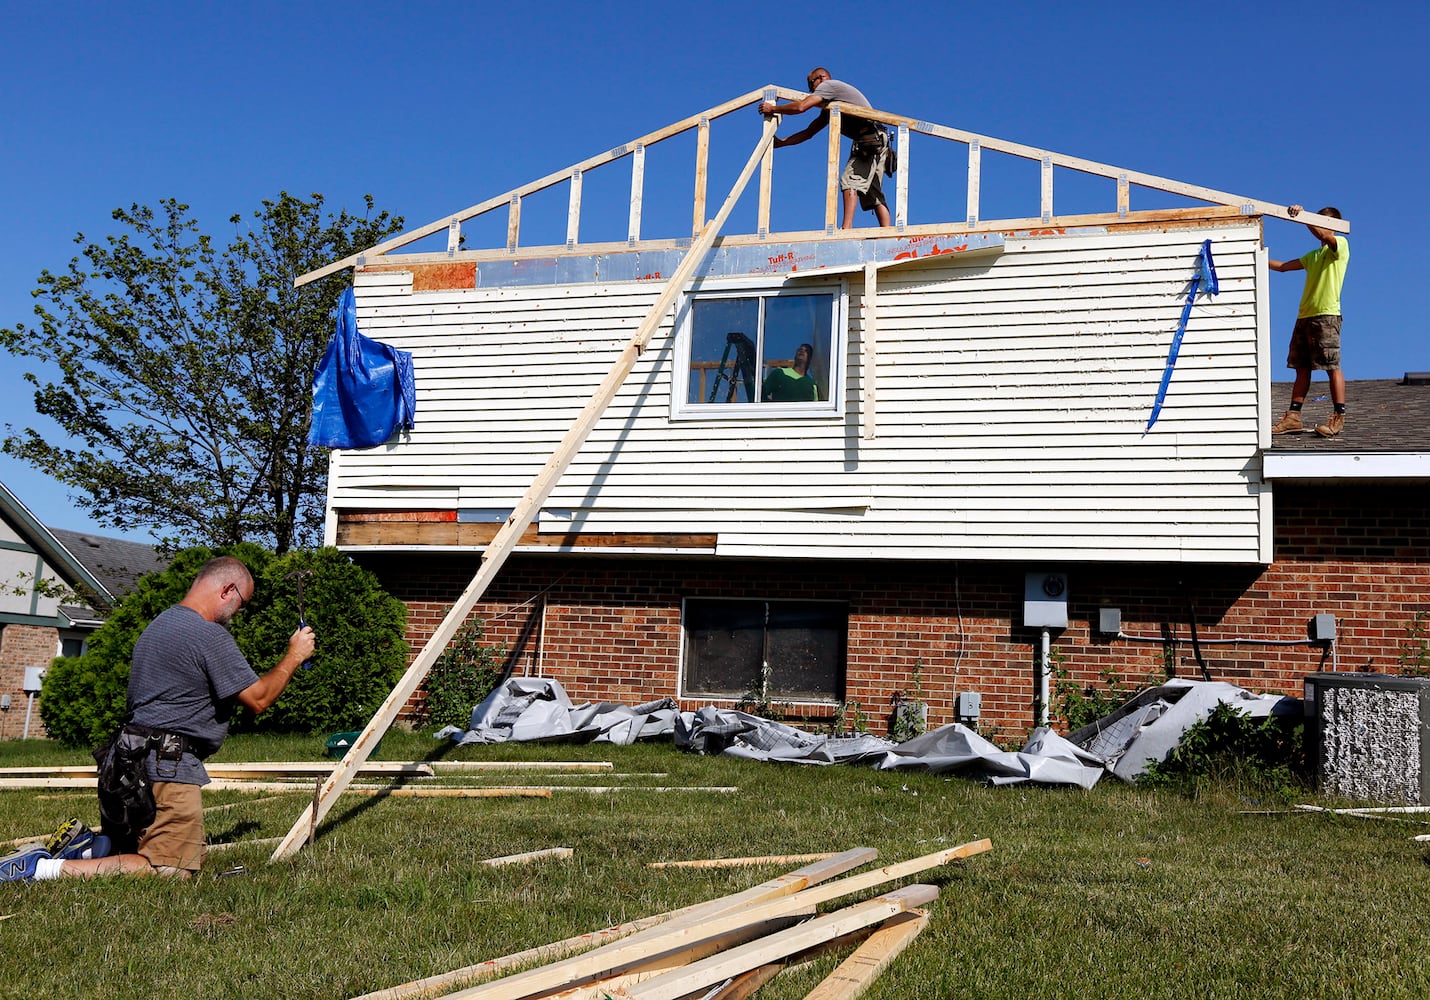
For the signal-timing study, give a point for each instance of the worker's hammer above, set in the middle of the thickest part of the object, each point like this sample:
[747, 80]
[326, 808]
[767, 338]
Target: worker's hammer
[300, 575]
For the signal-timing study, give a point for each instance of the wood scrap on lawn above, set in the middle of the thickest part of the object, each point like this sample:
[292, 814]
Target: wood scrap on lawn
[521, 859]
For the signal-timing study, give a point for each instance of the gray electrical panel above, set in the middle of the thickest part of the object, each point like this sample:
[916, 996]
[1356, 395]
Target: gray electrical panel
[968, 706]
[1045, 600]
[1367, 736]
[1321, 628]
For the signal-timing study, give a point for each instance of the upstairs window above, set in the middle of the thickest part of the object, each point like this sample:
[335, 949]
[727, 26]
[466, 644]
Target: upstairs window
[772, 650]
[765, 352]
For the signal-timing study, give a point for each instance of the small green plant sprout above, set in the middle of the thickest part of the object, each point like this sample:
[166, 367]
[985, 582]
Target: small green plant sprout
[849, 719]
[757, 701]
[910, 717]
[1078, 704]
[1414, 657]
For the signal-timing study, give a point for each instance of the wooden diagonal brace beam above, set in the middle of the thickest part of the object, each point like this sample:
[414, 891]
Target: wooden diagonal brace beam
[495, 555]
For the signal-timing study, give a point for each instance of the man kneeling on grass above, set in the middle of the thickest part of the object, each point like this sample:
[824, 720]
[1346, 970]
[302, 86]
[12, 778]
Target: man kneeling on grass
[185, 676]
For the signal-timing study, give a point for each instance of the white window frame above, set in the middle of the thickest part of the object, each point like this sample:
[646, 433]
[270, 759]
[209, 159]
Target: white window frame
[736, 288]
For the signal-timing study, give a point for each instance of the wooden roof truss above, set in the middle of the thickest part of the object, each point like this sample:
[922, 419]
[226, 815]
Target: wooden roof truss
[1220, 203]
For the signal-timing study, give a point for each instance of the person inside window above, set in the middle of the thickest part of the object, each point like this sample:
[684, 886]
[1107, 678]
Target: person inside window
[794, 384]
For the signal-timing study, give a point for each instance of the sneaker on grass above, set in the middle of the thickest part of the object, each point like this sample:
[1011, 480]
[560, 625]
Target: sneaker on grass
[20, 866]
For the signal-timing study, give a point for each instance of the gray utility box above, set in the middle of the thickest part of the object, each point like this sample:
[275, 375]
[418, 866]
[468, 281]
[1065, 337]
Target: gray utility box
[1367, 736]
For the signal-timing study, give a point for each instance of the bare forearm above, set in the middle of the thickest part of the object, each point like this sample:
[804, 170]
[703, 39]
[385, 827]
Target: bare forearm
[261, 695]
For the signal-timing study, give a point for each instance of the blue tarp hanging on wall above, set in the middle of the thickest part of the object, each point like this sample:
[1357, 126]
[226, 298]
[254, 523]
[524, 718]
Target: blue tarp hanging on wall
[363, 390]
[1204, 280]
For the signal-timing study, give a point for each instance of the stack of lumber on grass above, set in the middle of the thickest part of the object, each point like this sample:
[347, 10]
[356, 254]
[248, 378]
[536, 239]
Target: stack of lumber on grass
[725, 948]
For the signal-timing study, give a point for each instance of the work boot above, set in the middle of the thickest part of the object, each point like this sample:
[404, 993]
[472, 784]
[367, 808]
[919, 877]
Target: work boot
[1288, 424]
[20, 866]
[1334, 424]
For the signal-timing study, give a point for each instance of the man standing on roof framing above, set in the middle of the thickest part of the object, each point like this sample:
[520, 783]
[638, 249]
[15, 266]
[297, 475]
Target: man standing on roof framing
[1316, 339]
[869, 143]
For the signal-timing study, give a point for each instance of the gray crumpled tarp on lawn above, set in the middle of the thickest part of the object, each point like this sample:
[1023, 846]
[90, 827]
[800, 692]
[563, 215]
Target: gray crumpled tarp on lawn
[1144, 729]
[1047, 758]
[525, 709]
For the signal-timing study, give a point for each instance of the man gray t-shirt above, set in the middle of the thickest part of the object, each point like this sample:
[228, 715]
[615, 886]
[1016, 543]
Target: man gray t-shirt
[184, 675]
[838, 90]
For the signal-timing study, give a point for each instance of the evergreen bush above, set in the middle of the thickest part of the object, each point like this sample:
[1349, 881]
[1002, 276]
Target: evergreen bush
[462, 676]
[360, 652]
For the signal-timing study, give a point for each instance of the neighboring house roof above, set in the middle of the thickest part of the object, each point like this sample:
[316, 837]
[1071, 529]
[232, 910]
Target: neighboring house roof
[115, 562]
[1387, 432]
[98, 568]
[51, 549]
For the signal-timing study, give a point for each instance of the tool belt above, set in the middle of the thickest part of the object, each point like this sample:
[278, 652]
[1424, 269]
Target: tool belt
[169, 746]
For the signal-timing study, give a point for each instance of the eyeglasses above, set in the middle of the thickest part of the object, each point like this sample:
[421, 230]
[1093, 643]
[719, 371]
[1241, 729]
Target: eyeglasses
[239, 591]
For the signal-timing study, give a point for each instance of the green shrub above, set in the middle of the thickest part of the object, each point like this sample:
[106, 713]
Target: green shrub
[1080, 705]
[360, 649]
[1229, 747]
[461, 677]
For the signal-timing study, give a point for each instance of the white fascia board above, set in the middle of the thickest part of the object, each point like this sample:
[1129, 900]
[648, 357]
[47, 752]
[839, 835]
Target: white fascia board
[1345, 465]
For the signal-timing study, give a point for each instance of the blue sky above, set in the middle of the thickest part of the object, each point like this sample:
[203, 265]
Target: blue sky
[432, 107]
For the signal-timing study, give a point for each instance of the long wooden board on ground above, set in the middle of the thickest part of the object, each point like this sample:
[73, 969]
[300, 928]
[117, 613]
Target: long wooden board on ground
[306, 788]
[639, 970]
[275, 768]
[496, 553]
[871, 958]
[677, 934]
[782, 885]
[768, 859]
[242, 769]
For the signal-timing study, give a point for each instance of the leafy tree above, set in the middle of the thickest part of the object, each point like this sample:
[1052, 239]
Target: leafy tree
[360, 657]
[185, 371]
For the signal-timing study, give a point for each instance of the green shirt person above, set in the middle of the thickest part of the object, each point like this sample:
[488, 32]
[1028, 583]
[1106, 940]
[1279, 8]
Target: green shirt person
[1316, 338]
[793, 384]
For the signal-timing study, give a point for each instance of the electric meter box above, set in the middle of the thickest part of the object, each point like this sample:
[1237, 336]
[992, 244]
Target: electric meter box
[1045, 600]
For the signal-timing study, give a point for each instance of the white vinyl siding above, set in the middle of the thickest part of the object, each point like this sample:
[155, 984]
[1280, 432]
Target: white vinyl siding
[1011, 398]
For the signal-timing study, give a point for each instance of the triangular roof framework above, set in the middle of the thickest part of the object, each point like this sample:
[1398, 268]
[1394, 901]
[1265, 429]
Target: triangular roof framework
[1219, 203]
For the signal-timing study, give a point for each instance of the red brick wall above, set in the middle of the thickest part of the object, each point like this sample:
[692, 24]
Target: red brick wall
[23, 646]
[609, 629]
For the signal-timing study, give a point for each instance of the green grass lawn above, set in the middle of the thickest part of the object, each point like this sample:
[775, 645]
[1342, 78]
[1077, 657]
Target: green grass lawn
[1116, 892]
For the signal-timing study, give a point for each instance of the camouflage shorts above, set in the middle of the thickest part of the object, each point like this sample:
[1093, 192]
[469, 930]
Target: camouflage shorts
[1315, 343]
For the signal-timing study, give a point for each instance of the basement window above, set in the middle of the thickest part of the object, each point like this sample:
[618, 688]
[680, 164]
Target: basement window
[762, 352]
[765, 650]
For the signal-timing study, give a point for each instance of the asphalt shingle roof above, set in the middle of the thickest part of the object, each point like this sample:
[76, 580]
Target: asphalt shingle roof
[1389, 415]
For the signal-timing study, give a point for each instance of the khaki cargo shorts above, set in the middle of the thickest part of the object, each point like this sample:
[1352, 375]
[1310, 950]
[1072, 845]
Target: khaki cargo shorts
[176, 837]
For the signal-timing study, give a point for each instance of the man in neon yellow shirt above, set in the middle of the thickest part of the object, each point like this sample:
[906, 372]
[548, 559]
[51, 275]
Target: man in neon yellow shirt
[1316, 339]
